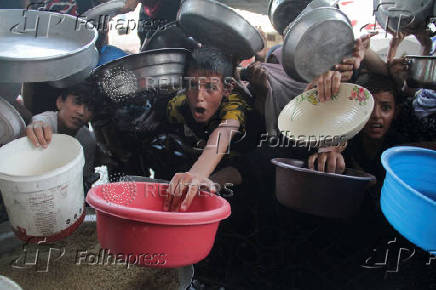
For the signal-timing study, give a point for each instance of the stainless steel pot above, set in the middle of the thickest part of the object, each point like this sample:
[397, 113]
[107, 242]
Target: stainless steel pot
[214, 24]
[397, 15]
[422, 71]
[41, 46]
[315, 42]
[160, 69]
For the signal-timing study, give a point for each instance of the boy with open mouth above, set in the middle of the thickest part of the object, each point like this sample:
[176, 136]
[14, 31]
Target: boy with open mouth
[212, 116]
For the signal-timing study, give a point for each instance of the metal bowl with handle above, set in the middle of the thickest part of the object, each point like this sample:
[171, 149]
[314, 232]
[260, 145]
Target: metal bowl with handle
[402, 14]
[214, 24]
[422, 71]
[41, 46]
[315, 42]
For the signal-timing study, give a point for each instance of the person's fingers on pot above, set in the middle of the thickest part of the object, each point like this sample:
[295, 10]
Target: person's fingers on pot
[47, 133]
[171, 191]
[320, 85]
[336, 82]
[311, 161]
[328, 87]
[331, 162]
[340, 164]
[178, 196]
[32, 137]
[322, 159]
[190, 195]
[309, 86]
[40, 135]
[344, 67]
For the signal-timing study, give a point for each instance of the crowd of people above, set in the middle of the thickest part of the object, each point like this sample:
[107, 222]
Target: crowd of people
[207, 135]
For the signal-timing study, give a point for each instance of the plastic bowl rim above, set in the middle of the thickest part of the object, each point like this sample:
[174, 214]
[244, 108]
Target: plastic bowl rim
[158, 217]
[387, 154]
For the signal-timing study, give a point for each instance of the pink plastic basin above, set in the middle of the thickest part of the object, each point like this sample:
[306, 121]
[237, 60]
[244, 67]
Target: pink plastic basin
[131, 224]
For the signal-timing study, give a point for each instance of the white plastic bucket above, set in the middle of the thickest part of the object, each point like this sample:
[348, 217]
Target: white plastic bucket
[42, 189]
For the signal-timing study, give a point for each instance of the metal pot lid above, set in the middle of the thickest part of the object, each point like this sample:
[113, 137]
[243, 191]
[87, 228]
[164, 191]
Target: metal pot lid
[123, 78]
[171, 36]
[315, 42]
[399, 14]
[39, 46]
[12, 125]
[217, 25]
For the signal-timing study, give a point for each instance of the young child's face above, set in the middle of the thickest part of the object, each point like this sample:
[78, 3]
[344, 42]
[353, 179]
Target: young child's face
[382, 115]
[72, 113]
[204, 95]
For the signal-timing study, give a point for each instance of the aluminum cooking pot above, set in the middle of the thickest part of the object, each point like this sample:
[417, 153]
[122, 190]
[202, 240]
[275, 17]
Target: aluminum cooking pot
[319, 193]
[160, 69]
[41, 46]
[315, 42]
[283, 12]
[422, 71]
[214, 24]
[398, 15]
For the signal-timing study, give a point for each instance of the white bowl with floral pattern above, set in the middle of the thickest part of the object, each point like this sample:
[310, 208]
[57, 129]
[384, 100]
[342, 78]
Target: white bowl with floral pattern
[308, 122]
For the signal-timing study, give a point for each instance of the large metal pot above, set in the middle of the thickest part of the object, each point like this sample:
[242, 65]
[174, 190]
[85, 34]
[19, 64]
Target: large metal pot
[79, 76]
[214, 24]
[315, 42]
[160, 69]
[41, 46]
[422, 71]
[282, 12]
[319, 193]
[397, 15]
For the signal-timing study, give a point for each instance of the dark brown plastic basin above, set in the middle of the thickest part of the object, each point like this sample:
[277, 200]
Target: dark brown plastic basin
[323, 194]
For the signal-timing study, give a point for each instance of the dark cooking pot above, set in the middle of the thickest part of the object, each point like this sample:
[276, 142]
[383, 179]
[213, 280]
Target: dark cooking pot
[422, 71]
[170, 36]
[323, 194]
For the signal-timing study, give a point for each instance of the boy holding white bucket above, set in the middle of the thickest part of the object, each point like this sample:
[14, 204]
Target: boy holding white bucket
[75, 109]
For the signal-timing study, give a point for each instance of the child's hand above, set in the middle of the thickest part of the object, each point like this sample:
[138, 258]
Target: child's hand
[189, 183]
[39, 134]
[331, 162]
[328, 85]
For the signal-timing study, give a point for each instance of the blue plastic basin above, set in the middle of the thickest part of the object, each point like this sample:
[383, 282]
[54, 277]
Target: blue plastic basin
[408, 196]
